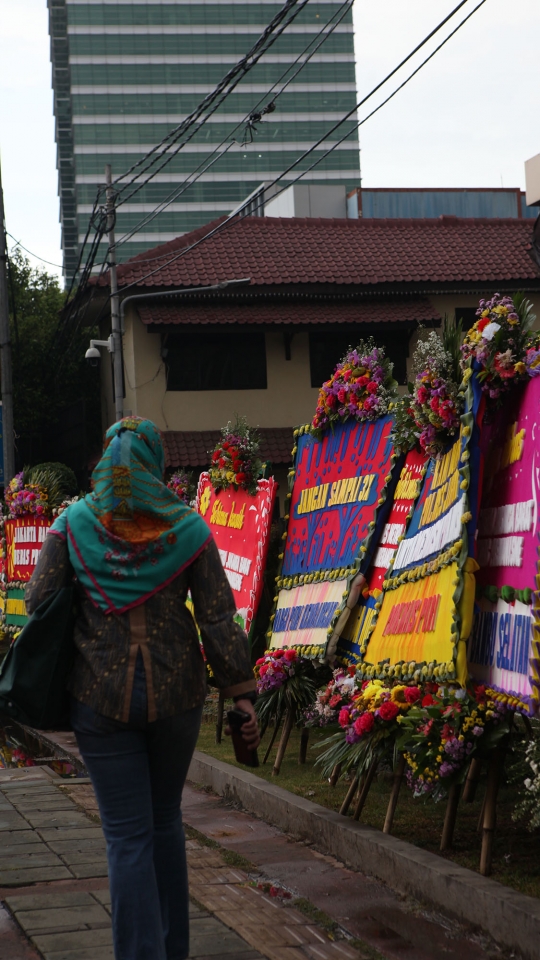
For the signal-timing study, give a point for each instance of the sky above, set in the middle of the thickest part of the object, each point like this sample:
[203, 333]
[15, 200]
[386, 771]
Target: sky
[469, 119]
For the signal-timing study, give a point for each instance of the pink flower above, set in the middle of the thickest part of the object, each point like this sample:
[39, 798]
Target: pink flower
[343, 718]
[290, 655]
[364, 724]
[412, 694]
[388, 711]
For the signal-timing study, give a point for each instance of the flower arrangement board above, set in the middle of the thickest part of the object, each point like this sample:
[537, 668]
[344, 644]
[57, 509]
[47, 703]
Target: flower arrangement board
[426, 607]
[352, 643]
[25, 537]
[339, 486]
[240, 523]
[500, 646]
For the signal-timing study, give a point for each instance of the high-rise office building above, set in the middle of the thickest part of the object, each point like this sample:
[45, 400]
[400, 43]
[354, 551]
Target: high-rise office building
[125, 72]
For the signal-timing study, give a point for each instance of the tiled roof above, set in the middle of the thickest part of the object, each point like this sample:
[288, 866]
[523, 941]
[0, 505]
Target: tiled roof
[273, 251]
[290, 312]
[189, 448]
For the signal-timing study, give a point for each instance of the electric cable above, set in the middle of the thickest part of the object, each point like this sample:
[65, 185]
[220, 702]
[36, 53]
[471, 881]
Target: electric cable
[225, 87]
[232, 216]
[263, 43]
[217, 153]
[26, 250]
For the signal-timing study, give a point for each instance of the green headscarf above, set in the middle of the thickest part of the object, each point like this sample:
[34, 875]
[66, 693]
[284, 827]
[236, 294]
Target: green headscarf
[131, 535]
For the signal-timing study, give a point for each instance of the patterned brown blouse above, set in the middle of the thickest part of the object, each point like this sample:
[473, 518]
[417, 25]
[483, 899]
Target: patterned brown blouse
[163, 630]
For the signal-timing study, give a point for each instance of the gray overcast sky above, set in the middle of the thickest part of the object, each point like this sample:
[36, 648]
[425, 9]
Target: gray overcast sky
[470, 118]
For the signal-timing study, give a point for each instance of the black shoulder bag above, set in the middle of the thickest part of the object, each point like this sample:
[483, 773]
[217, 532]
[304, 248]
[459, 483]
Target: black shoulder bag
[35, 671]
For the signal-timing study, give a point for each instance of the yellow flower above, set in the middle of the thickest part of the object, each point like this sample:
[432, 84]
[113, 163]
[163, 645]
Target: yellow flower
[372, 690]
[398, 695]
[520, 367]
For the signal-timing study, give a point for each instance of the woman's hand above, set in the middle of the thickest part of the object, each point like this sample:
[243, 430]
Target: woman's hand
[249, 729]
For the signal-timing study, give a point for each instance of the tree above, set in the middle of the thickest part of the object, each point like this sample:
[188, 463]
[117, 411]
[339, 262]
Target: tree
[49, 373]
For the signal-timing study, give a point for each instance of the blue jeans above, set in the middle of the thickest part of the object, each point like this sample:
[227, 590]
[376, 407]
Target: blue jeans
[138, 770]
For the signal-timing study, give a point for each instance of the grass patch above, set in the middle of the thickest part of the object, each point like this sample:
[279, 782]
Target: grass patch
[231, 858]
[515, 862]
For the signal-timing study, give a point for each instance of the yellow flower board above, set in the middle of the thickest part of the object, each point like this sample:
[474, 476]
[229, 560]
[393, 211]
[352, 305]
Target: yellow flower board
[416, 621]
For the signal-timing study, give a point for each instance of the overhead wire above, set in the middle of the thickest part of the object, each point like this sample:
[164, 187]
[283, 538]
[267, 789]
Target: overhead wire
[211, 102]
[227, 142]
[233, 216]
[272, 31]
[26, 250]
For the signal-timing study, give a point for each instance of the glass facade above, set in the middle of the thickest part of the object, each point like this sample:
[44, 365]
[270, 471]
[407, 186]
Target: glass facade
[126, 72]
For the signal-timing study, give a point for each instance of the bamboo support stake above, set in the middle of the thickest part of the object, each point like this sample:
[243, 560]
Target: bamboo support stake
[219, 721]
[334, 777]
[277, 723]
[450, 817]
[285, 734]
[350, 794]
[304, 741]
[396, 787]
[365, 789]
[490, 811]
[471, 783]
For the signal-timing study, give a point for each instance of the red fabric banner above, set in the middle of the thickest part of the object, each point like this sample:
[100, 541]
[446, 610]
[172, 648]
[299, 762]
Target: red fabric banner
[24, 539]
[240, 524]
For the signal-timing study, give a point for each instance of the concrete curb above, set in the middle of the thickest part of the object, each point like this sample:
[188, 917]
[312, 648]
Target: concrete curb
[510, 918]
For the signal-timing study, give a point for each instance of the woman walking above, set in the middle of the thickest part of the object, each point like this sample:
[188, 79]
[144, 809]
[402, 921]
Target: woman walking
[139, 679]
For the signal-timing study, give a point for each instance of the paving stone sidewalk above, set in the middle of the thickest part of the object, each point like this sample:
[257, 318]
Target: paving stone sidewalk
[53, 883]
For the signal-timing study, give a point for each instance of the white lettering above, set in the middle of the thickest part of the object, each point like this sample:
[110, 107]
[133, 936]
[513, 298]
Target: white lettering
[510, 518]
[235, 580]
[392, 532]
[383, 557]
[500, 552]
[432, 539]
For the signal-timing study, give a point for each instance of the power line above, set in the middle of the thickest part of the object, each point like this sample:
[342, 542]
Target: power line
[213, 100]
[231, 79]
[26, 250]
[232, 216]
[217, 153]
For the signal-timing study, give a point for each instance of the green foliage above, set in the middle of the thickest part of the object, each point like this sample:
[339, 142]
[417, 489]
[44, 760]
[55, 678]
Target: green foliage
[297, 693]
[526, 773]
[58, 473]
[46, 378]
[452, 335]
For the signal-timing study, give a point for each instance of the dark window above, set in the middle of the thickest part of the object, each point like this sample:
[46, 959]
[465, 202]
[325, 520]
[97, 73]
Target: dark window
[327, 348]
[215, 361]
[468, 317]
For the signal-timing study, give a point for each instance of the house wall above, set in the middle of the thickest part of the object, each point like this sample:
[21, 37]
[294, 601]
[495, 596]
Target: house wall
[288, 400]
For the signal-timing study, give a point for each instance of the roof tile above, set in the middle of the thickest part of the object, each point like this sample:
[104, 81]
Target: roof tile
[364, 251]
[189, 448]
[292, 312]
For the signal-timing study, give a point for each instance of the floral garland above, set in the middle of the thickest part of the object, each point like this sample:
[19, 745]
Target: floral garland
[445, 729]
[361, 387]
[183, 486]
[235, 461]
[369, 724]
[57, 511]
[23, 499]
[429, 414]
[333, 698]
[502, 344]
[286, 680]
[437, 727]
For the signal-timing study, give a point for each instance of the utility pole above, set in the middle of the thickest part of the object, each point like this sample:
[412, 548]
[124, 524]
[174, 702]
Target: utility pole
[116, 330]
[5, 355]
